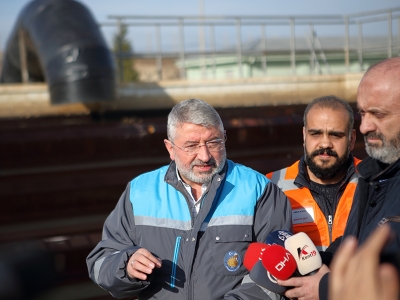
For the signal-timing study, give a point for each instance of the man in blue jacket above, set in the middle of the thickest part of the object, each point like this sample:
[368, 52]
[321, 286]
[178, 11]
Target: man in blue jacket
[181, 231]
[376, 200]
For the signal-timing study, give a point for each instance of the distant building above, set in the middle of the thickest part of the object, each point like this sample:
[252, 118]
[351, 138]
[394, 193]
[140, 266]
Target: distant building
[319, 56]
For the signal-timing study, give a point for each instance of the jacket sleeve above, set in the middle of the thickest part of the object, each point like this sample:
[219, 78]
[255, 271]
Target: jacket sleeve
[107, 262]
[273, 212]
[323, 288]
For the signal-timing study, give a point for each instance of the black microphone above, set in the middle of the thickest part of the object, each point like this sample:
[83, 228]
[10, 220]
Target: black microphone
[278, 237]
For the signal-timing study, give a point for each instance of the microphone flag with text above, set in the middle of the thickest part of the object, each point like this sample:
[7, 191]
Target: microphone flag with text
[267, 263]
[304, 252]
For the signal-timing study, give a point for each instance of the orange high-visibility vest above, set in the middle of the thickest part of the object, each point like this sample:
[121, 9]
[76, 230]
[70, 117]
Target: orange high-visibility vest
[306, 215]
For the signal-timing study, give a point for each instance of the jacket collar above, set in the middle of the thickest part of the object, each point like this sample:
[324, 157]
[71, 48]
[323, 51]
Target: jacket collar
[371, 169]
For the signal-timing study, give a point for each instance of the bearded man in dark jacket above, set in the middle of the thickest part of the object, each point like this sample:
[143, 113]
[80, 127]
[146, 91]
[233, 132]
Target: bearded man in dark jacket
[377, 197]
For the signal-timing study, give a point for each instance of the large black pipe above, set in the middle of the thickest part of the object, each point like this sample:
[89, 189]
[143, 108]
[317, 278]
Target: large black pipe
[65, 48]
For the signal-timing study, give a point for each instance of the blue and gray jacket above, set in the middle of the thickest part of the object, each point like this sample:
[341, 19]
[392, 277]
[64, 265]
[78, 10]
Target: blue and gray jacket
[202, 258]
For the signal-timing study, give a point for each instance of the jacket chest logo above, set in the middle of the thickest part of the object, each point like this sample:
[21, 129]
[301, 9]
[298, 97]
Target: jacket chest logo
[232, 261]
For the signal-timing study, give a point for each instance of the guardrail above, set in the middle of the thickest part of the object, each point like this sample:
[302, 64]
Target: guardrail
[352, 39]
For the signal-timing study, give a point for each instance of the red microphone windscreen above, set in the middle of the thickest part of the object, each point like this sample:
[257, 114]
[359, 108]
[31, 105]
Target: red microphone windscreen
[253, 254]
[279, 262]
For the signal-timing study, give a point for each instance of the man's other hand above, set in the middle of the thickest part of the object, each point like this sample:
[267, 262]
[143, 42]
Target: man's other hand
[358, 273]
[141, 263]
[304, 287]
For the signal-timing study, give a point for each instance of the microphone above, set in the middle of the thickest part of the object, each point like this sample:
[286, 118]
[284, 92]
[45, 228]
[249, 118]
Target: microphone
[263, 278]
[278, 237]
[279, 262]
[253, 255]
[304, 252]
[253, 262]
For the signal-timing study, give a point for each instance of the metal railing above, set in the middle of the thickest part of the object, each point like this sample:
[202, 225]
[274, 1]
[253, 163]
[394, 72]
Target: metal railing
[356, 35]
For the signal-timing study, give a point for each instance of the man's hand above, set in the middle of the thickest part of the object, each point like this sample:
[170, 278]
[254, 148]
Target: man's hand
[305, 287]
[358, 274]
[141, 264]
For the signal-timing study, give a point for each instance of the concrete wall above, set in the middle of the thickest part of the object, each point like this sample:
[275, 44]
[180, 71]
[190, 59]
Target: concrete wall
[32, 100]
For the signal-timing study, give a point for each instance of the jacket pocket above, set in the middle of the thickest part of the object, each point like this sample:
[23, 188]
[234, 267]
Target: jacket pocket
[230, 245]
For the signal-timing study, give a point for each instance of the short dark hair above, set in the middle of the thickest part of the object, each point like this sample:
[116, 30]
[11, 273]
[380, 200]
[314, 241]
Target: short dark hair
[331, 102]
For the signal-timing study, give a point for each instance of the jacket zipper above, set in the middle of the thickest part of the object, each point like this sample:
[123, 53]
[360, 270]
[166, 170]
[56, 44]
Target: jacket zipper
[174, 261]
[300, 179]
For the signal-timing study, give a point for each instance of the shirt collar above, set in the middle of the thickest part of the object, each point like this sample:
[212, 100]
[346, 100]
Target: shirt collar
[188, 187]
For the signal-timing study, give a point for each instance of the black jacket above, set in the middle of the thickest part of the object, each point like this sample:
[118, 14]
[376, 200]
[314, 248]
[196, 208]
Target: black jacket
[377, 197]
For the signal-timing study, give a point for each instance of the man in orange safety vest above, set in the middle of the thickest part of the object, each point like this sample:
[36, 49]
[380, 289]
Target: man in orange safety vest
[321, 185]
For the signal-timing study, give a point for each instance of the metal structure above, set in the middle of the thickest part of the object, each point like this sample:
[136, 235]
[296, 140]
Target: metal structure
[351, 31]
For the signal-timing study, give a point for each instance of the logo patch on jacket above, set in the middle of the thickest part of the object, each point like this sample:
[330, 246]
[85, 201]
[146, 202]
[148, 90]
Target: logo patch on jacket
[232, 261]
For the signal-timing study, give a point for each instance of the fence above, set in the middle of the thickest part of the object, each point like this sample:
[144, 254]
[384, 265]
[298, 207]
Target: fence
[248, 46]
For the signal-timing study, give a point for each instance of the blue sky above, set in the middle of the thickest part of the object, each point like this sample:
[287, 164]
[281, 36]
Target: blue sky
[101, 9]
